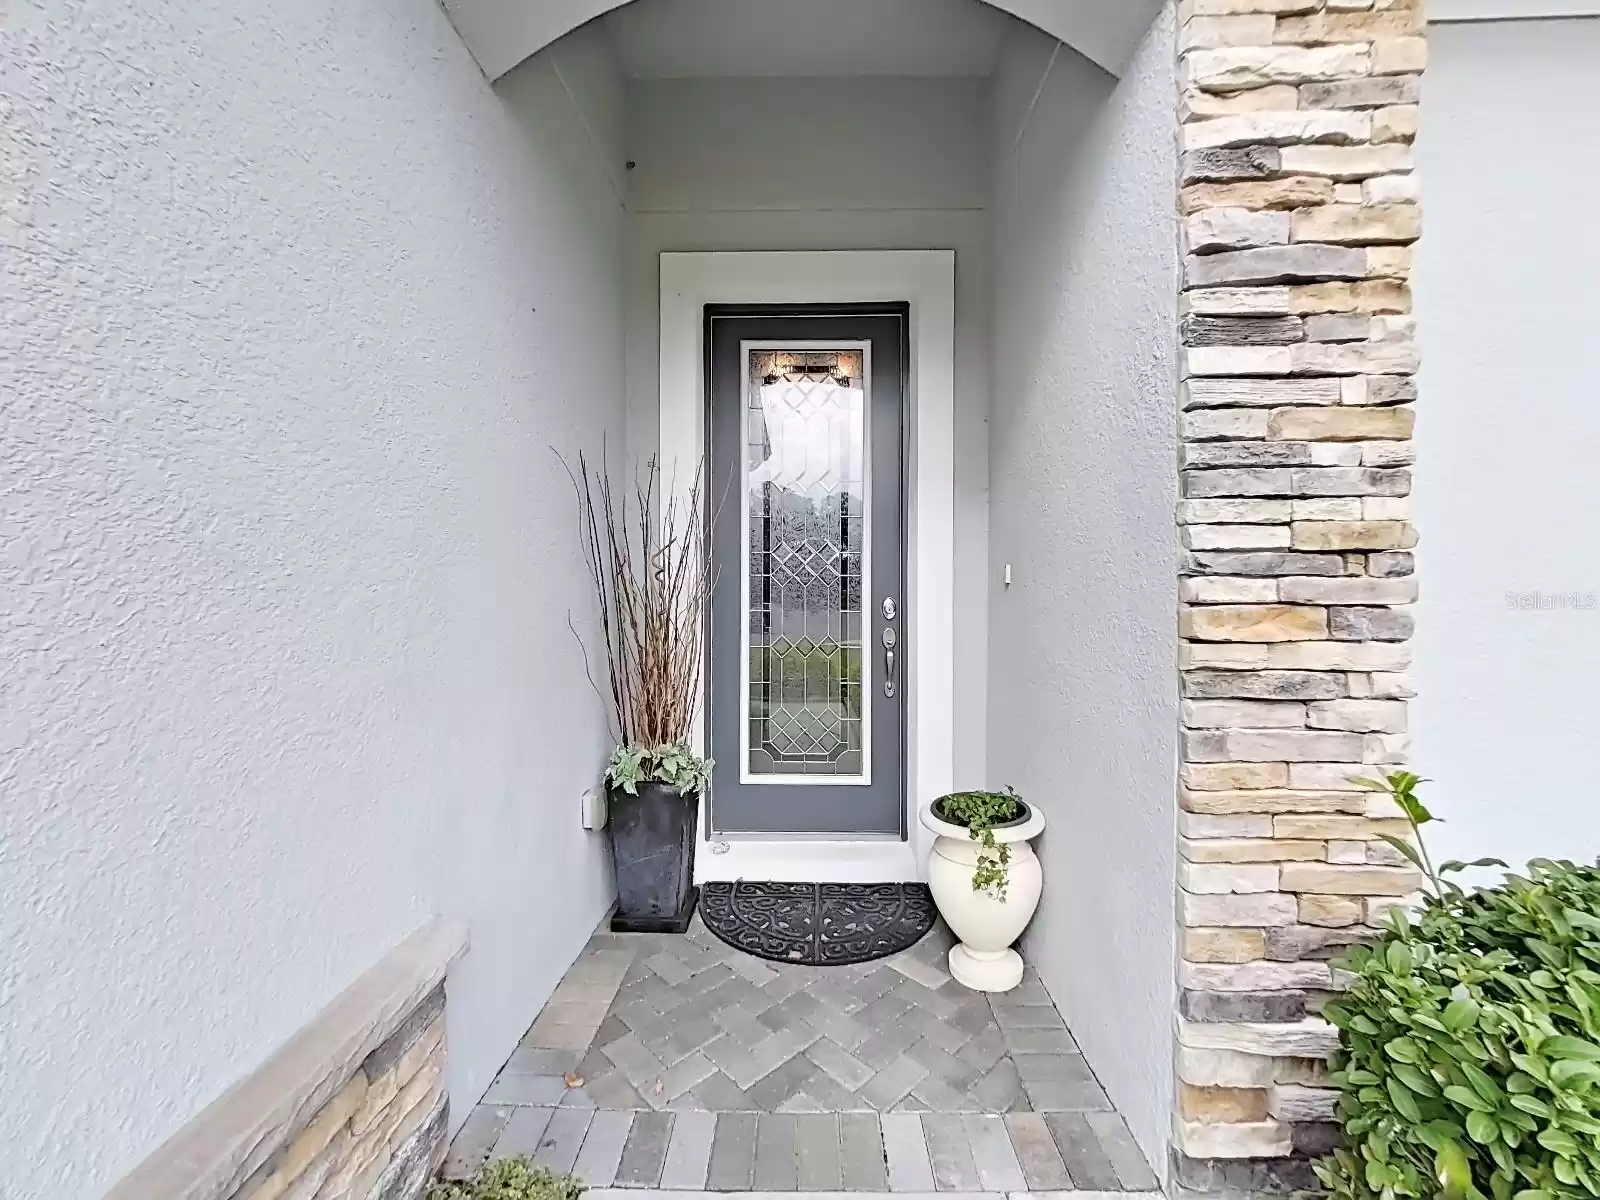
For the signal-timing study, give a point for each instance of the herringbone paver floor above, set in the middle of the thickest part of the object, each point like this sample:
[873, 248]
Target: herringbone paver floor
[678, 1062]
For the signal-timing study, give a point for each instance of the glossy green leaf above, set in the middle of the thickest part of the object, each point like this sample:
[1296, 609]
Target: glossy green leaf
[1467, 1098]
[1531, 1105]
[1570, 1072]
[1583, 1123]
[1377, 1174]
[1481, 1128]
[1404, 1102]
[1583, 920]
[1403, 1050]
[1461, 1014]
[1417, 1080]
[1520, 1119]
[1453, 1171]
[1562, 1046]
[1455, 865]
[1405, 848]
[1560, 1141]
[1551, 956]
[1501, 1153]
[1435, 1135]
[1481, 1083]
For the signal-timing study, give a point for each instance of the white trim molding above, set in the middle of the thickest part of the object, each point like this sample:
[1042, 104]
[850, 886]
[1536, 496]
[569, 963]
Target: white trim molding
[926, 280]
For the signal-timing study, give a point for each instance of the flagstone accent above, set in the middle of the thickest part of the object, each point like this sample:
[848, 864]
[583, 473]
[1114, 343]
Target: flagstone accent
[1298, 208]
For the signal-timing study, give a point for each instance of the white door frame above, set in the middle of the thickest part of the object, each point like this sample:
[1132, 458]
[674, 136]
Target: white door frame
[926, 280]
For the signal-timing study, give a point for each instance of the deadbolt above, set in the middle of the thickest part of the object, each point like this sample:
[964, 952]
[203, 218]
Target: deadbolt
[889, 609]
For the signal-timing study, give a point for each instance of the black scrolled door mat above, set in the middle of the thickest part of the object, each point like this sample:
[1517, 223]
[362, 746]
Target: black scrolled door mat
[818, 924]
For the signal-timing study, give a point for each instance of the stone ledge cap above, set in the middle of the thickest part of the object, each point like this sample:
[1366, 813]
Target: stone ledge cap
[213, 1154]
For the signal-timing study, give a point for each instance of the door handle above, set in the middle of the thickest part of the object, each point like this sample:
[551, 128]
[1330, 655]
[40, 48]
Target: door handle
[888, 662]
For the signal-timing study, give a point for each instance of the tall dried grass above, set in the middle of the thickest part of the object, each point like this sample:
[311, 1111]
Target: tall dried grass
[649, 559]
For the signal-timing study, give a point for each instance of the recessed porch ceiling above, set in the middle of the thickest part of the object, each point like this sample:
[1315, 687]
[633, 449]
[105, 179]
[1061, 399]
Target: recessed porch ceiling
[680, 39]
[880, 37]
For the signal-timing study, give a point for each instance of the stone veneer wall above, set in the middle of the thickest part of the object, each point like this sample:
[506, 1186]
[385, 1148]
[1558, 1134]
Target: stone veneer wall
[1298, 208]
[352, 1107]
[382, 1135]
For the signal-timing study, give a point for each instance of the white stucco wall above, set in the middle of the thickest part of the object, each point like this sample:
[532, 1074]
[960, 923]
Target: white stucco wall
[836, 164]
[295, 309]
[1082, 693]
[1508, 282]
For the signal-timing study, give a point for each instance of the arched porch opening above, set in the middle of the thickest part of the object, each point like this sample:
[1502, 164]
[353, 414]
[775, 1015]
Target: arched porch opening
[501, 33]
[789, 131]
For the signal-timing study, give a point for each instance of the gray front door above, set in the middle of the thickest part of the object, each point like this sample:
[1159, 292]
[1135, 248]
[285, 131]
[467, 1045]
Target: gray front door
[808, 614]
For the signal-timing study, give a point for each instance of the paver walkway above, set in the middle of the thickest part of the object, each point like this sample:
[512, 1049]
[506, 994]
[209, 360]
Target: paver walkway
[682, 1063]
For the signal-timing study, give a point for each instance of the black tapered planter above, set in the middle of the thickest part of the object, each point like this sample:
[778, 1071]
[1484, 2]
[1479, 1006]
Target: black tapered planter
[652, 849]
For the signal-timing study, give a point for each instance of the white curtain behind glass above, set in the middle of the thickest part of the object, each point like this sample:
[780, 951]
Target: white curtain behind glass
[815, 432]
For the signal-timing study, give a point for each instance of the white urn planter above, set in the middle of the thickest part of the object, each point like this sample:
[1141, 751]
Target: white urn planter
[987, 925]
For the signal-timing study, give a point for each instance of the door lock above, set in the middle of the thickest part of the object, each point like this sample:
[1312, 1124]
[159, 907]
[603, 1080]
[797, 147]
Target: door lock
[889, 640]
[889, 609]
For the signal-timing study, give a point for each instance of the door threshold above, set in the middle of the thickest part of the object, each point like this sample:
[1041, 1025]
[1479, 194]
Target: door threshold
[808, 860]
[871, 839]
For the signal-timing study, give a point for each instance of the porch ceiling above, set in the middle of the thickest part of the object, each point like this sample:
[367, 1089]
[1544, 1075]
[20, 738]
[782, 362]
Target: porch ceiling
[501, 33]
[678, 39]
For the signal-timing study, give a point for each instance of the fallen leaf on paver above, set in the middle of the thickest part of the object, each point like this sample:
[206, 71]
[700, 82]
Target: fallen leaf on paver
[572, 1079]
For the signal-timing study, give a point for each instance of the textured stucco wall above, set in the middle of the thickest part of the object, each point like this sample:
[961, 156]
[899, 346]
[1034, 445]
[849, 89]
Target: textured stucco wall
[856, 164]
[1082, 645]
[295, 307]
[1508, 280]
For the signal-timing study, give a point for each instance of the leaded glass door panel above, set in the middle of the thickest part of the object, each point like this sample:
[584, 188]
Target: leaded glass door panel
[808, 667]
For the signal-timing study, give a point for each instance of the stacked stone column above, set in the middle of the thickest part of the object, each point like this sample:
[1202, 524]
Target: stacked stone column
[1298, 207]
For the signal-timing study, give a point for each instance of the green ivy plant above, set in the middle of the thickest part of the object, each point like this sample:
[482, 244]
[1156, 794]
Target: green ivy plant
[980, 812]
[1469, 1065]
[511, 1179]
[675, 765]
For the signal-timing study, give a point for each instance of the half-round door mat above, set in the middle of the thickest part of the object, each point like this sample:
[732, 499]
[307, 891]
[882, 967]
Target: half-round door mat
[818, 924]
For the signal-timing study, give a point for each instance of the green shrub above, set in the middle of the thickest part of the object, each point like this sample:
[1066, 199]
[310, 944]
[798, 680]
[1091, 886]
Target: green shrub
[511, 1179]
[1470, 1034]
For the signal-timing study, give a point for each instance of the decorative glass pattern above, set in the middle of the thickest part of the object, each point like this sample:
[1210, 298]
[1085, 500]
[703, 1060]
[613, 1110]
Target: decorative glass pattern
[805, 509]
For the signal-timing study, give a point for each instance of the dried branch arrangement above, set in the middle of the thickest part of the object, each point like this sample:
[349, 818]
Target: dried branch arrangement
[649, 560]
